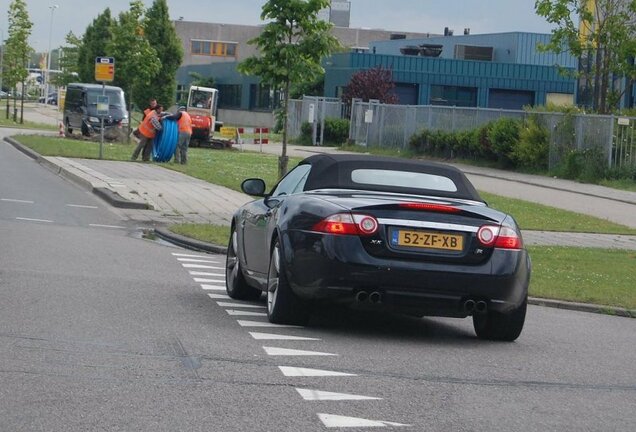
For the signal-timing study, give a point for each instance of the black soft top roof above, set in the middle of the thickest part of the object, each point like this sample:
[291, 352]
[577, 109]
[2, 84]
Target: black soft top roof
[333, 171]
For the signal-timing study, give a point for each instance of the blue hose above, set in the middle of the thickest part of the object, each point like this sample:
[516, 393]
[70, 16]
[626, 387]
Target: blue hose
[165, 142]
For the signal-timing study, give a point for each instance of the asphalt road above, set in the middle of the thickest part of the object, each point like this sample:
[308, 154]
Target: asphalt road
[103, 330]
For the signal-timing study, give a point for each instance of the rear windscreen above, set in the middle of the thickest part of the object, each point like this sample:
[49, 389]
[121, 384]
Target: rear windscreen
[403, 179]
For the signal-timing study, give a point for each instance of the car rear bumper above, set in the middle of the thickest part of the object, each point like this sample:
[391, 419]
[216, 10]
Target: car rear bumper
[338, 268]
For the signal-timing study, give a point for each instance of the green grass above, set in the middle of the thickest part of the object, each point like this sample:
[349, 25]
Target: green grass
[4, 122]
[586, 275]
[215, 234]
[531, 216]
[624, 184]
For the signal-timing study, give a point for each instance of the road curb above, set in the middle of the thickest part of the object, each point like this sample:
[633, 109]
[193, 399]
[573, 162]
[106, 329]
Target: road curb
[189, 243]
[106, 194]
[198, 245]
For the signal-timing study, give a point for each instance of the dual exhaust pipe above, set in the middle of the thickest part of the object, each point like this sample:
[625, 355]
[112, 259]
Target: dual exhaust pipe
[375, 297]
[472, 306]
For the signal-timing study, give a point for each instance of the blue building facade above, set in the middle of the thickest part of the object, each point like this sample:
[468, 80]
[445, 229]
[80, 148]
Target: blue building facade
[505, 70]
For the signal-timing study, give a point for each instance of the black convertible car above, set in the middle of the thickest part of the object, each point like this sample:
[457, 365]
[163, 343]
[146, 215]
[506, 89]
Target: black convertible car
[406, 236]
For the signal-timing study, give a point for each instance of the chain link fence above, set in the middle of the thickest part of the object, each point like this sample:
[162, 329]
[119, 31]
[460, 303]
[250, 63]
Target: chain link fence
[312, 108]
[392, 126]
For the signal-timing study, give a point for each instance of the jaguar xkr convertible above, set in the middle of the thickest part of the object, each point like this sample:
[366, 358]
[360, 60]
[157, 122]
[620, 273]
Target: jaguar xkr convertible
[399, 235]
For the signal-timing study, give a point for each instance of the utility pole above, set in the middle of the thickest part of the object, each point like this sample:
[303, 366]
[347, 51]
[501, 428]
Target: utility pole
[48, 55]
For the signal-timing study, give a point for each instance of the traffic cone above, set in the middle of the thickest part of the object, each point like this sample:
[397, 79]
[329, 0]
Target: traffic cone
[61, 131]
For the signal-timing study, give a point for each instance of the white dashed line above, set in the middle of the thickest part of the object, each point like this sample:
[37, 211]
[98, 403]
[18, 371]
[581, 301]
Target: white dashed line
[337, 421]
[219, 296]
[188, 255]
[17, 201]
[244, 323]
[241, 305]
[213, 287]
[195, 260]
[106, 226]
[274, 351]
[318, 395]
[202, 280]
[272, 336]
[34, 220]
[244, 313]
[198, 273]
[305, 372]
[82, 206]
[201, 266]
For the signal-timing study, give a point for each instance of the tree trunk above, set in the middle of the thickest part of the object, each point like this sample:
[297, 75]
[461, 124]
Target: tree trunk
[22, 105]
[283, 160]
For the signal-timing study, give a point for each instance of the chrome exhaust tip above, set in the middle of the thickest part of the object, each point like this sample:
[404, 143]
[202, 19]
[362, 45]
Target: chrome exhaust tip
[362, 296]
[469, 305]
[375, 297]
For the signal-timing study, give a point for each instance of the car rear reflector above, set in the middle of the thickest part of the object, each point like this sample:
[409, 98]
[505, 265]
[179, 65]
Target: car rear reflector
[499, 237]
[440, 208]
[347, 224]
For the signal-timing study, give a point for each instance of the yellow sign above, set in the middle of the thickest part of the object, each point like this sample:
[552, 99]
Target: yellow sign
[229, 132]
[104, 69]
[61, 98]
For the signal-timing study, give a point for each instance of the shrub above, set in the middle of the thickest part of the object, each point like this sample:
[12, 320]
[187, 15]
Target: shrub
[336, 132]
[587, 165]
[533, 148]
[504, 136]
[480, 145]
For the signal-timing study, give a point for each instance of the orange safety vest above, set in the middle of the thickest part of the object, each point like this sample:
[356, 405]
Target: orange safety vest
[146, 111]
[146, 128]
[185, 123]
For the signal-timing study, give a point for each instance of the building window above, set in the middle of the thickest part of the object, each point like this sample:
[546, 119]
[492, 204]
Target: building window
[213, 48]
[230, 95]
[262, 98]
[454, 96]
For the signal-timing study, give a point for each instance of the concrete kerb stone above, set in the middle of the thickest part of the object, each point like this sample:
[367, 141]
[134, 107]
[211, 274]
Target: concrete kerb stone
[189, 243]
[106, 194]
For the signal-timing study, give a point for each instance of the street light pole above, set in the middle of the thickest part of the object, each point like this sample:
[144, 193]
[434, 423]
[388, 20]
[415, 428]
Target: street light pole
[48, 55]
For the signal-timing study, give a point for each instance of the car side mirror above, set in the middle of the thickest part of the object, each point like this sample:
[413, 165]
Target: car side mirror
[254, 187]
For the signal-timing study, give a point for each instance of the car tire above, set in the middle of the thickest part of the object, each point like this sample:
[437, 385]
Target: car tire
[85, 131]
[499, 326]
[235, 283]
[69, 130]
[283, 306]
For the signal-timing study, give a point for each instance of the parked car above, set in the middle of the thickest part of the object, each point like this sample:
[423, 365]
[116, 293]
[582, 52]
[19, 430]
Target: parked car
[80, 108]
[379, 233]
[51, 99]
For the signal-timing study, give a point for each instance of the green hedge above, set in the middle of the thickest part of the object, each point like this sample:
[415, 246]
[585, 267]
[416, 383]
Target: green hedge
[336, 132]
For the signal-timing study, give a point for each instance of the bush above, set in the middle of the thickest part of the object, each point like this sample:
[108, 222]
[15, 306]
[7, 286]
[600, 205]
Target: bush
[589, 165]
[533, 148]
[480, 145]
[336, 132]
[504, 136]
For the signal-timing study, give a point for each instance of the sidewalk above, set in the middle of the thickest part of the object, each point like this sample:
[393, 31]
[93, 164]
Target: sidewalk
[148, 193]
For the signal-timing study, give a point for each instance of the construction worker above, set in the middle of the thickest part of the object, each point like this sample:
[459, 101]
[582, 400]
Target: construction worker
[185, 132]
[147, 130]
[152, 105]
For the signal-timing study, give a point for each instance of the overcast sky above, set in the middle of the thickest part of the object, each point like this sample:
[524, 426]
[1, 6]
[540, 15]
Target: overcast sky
[481, 16]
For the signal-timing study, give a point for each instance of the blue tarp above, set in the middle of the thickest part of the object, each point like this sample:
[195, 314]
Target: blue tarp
[165, 143]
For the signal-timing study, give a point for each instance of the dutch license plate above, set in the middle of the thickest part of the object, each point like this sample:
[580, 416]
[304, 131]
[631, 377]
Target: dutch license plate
[428, 240]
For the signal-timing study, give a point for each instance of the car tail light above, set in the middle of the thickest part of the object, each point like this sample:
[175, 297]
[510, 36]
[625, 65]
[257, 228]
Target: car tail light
[502, 237]
[348, 224]
[440, 208]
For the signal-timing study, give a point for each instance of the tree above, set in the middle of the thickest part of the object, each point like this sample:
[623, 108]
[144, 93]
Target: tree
[160, 32]
[291, 45]
[17, 52]
[69, 59]
[95, 41]
[376, 83]
[136, 62]
[200, 80]
[604, 42]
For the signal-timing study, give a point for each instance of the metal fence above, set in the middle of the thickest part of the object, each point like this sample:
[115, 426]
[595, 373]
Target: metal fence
[312, 108]
[392, 126]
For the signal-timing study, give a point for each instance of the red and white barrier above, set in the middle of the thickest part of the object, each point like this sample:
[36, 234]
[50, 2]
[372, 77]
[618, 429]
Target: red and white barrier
[257, 130]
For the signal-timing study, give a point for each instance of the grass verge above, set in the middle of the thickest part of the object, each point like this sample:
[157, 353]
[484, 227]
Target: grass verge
[215, 234]
[586, 275]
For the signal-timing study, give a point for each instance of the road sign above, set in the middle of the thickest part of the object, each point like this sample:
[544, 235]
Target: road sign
[104, 69]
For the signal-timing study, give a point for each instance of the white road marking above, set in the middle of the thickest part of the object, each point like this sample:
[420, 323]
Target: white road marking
[200, 266]
[337, 421]
[243, 323]
[241, 305]
[213, 287]
[244, 313]
[305, 372]
[195, 260]
[106, 226]
[198, 273]
[272, 336]
[318, 395]
[219, 296]
[34, 220]
[82, 206]
[274, 351]
[17, 201]
[203, 280]
[188, 255]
